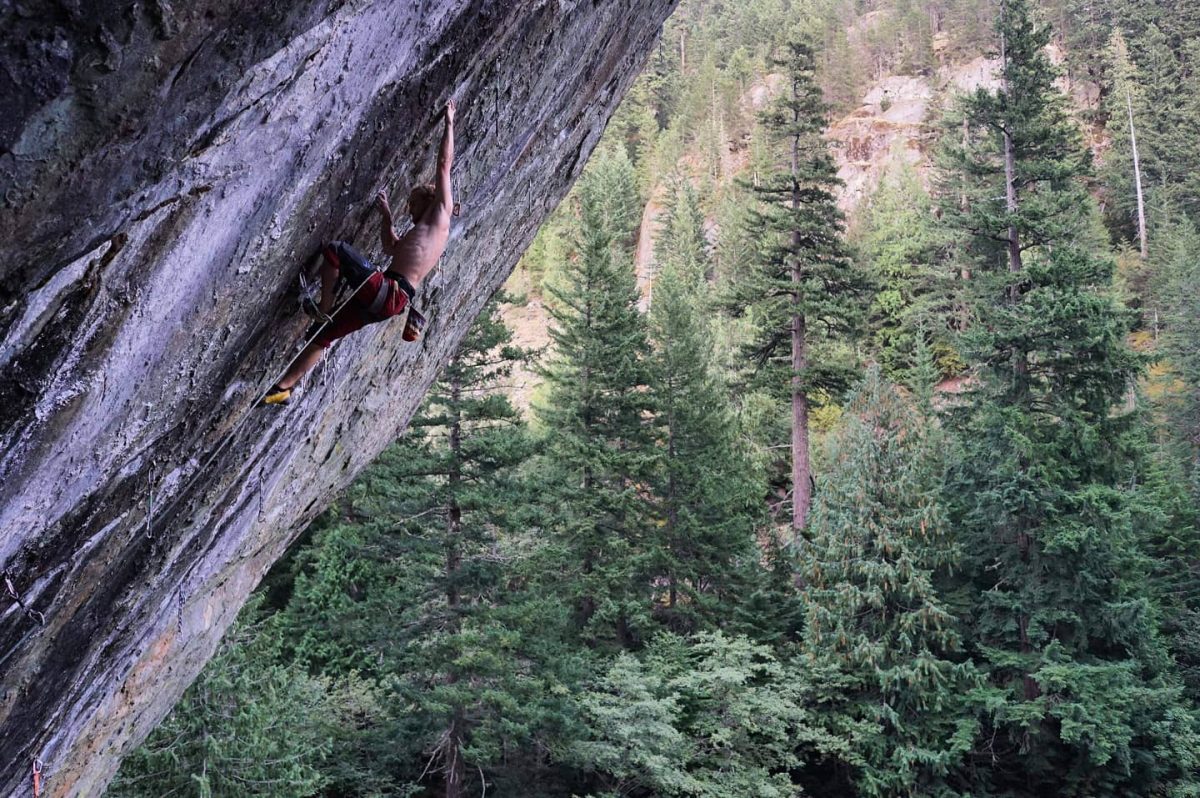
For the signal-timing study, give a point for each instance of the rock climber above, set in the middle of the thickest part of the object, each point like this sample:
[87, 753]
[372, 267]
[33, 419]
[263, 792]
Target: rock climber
[381, 294]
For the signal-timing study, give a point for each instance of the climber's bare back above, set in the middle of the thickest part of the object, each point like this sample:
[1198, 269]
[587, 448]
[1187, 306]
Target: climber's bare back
[416, 252]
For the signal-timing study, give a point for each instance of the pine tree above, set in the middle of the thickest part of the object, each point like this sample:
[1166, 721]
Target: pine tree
[635, 126]
[1188, 193]
[710, 716]
[682, 245]
[1178, 269]
[802, 291]
[612, 182]
[598, 437]
[903, 252]
[705, 489]
[462, 674]
[1084, 699]
[1172, 152]
[415, 588]
[1173, 525]
[1122, 167]
[877, 629]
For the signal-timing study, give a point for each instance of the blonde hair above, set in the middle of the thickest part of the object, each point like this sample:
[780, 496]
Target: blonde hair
[420, 198]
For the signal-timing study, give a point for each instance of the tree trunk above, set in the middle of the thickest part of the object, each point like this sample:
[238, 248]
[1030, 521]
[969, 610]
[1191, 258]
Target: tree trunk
[1010, 175]
[964, 204]
[453, 768]
[801, 468]
[1137, 180]
[672, 515]
[1020, 366]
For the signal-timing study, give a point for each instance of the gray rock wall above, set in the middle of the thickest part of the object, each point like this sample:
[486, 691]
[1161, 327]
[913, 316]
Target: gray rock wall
[165, 173]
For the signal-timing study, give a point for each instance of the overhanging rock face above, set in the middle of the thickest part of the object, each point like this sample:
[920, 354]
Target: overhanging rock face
[166, 171]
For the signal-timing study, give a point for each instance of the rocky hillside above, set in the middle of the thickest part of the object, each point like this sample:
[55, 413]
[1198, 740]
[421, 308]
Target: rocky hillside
[166, 173]
[897, 121]
[894, 125]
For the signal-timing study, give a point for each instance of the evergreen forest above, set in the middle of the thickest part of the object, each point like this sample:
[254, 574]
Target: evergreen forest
[859, 456]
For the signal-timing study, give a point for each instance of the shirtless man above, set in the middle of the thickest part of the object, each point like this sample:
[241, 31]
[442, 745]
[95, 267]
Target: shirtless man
[382, 295]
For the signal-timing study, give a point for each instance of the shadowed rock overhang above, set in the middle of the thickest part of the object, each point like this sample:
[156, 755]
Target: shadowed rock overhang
[166, 170]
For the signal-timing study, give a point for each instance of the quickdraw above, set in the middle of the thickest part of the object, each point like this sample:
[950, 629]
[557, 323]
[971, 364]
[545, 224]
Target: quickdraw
[37, 777]
[15, 596]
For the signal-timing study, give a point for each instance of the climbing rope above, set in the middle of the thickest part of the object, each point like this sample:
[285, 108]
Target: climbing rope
[262, 389]
[228, 436]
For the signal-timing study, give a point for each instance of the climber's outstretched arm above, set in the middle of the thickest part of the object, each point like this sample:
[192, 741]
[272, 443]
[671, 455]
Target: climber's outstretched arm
[445, 161]
[387, 226]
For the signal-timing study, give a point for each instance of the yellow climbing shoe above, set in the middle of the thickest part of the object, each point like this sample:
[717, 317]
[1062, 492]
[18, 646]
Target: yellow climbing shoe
[277, 396]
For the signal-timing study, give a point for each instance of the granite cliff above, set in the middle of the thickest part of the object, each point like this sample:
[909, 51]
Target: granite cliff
[166, 171]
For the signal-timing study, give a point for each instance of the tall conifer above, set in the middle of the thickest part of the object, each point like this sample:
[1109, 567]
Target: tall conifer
[414, 590]
[803, 291]
[1084, 699]
[599, 436]
[902, 250]
[877, 629]
[704, 486]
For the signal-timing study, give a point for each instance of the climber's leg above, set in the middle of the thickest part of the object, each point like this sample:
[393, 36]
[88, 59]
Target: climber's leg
[347, 320]
[303, 364]
[281, 391]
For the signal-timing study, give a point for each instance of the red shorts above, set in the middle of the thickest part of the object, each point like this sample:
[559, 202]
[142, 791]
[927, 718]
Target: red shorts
[367, 306]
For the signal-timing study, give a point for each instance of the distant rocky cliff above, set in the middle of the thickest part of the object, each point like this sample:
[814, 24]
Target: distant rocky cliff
[166, 169]
[898, 121]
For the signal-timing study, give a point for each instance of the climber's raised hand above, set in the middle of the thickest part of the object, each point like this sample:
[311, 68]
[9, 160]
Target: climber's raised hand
[387, 234]
[381, 202]
[451, 107]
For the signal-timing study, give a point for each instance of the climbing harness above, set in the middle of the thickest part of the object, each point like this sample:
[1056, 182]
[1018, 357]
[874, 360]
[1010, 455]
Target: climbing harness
[390, 295]
[387, 300]
[312, 336]
[310, 300]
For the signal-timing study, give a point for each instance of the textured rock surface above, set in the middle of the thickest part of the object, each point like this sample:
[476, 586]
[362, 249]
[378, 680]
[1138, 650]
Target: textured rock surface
[165, 171]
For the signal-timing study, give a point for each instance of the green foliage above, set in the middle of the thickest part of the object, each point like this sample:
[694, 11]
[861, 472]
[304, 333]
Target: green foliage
[801, 269]
[880, 638]
[1125, 97]
[1058, 618]
[464, 671]
[903, 252]
[706, 491]
[598, 438]
[414, 590]
[710, 716]
[1177, 264]
[998, 595]
[610, 192]
[802, 293]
